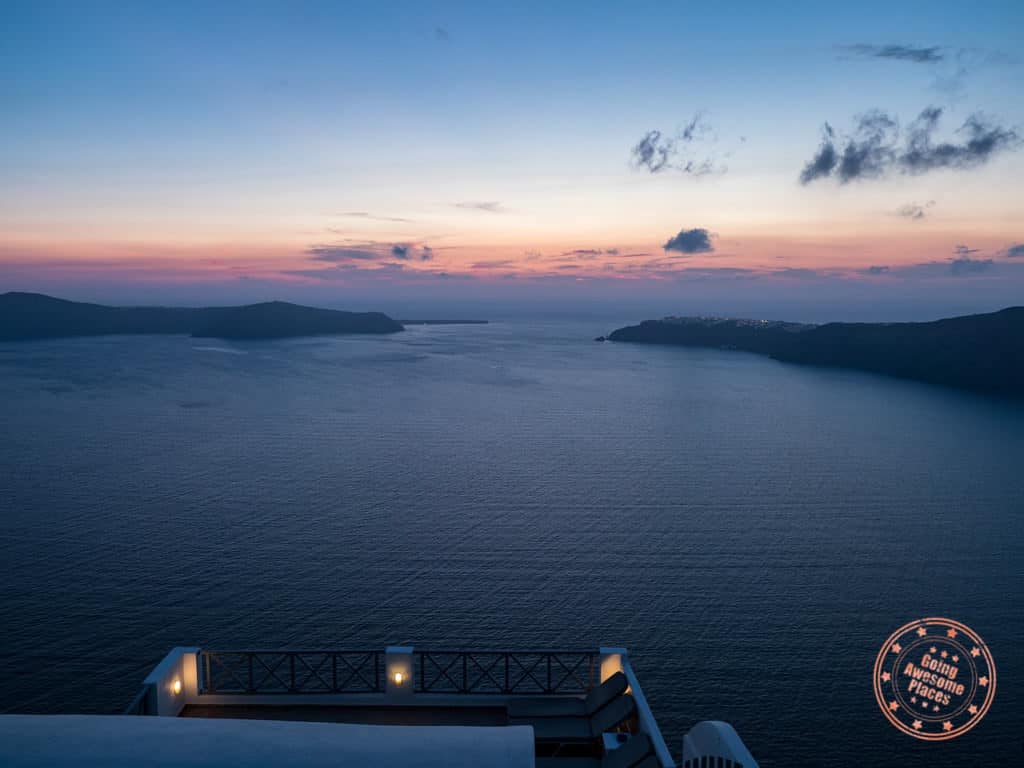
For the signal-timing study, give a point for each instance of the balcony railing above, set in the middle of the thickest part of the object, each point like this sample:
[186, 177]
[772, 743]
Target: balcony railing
[269, 672]
[362, 671]
[140, 704]
[506, 672]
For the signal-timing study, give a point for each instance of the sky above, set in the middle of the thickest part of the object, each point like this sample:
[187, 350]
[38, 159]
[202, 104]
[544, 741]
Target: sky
[798, 160]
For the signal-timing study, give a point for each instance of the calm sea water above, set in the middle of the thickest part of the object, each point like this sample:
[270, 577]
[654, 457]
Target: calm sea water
[751, 531]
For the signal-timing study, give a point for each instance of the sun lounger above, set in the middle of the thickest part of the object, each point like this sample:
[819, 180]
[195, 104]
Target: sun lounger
[576, 729]
[550, 706]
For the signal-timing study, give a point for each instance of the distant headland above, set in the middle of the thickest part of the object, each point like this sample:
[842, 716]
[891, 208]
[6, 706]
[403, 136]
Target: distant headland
[26, 316]
[978, 352]
[443, 322]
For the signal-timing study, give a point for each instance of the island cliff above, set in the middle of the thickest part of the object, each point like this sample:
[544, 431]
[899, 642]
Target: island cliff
[979, 352]
[36, 316]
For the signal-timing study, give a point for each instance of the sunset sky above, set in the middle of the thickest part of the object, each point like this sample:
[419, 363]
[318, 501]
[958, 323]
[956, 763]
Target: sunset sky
[366, 154]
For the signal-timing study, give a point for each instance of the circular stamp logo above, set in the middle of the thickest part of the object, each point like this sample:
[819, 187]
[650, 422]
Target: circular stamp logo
[934, 679]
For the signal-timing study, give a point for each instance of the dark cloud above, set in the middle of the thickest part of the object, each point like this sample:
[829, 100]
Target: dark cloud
[930, 55]
[1014, 250]
[694, 129]
[824, 161]
[914, 211]
[657, 152]
[967, 266]
[962, 262]
[875, 270]
[486, 206]
[354, 252]
[337, 253]
[983, 139]
[653, 152]
[591, 253]
[872, 148]
[690, 241]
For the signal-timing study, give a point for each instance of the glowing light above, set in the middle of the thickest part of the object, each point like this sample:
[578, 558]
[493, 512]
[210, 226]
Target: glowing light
[398, 678]
[176, 686]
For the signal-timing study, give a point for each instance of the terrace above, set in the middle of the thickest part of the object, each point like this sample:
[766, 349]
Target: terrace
[582, 707]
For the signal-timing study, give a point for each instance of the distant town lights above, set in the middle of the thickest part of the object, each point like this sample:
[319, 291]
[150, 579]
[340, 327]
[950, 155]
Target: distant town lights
[176, 687]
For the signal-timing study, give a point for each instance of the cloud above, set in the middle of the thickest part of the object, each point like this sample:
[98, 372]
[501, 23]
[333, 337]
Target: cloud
[591, 253]
[338, 253]
[952, 79]
[962, 262]
[875, 270]
[824, 161]
[367, 215]
[872, 149]
[486, 206]
[657, 152]
[799, 273]
[405, 251]
[982, 141]
[703, 273]
[914, 211]
[360, 252]
[930, 55]
[345, 271]
[968, 266]
[690, 241]
[441, 34]
[1014, 250]
[493, 264]
[653, 152]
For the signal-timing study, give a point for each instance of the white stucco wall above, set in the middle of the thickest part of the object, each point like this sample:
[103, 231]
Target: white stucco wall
[178, 666]
[91, 741]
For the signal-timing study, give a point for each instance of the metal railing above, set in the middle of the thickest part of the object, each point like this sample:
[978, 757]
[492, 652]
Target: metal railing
[506, 672]
[269, 672]
[363, 671]
[140, 704]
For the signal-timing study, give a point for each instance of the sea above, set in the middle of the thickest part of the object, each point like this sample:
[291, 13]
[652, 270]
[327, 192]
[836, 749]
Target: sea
[751, 531]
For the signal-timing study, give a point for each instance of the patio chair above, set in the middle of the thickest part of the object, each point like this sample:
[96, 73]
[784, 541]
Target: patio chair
[551, 706]
[564, 730]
